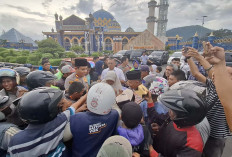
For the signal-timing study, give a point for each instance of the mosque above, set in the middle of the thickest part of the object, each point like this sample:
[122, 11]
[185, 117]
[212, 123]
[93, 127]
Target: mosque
[101, 31]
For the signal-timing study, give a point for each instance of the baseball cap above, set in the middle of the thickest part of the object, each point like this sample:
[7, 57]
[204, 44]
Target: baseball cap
[115, 146]
[67, 69]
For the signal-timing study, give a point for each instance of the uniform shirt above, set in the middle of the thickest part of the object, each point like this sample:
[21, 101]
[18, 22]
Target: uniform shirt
[216, 115]
[118, 72]
[73, 77]
[41, 140]
[90, 130]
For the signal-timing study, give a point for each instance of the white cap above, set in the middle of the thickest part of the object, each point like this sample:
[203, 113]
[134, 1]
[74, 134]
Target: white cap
[101, 98]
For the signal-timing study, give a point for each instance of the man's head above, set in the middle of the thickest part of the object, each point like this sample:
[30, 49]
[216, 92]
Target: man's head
[95, 59]
[187, 108]
[144, 71]
[176, 76]
[176, 61]
[169, 69]
[46, 65]
[158, 69]
[111, 63]
[67, 70]
[9, 79]
[144, 53]
[134, 79]
[39, 79]
[76, 90]
[23, 72]
[125, 60]
[100, 98]
[81, 67]
[131, 115]
[106, 58]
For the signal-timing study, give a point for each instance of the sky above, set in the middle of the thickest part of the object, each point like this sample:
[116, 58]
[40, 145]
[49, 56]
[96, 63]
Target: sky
[32, 17]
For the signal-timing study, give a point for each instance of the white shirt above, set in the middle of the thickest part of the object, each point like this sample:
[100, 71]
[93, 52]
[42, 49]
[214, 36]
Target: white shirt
[118, 72]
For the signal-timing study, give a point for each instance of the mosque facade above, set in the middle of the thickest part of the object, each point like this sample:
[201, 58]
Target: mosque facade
[101, 31]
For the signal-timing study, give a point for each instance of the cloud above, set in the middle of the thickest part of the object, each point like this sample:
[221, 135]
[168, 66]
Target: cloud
[28, 26]
[26, 10]
[84, 6]
[46, 4]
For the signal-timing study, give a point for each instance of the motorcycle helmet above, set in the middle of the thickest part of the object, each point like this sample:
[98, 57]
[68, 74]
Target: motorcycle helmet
[101, 98]
[22, 71]
[189, 107]
[158, 86]
[7, 72]
[44, 109]
[38, 79]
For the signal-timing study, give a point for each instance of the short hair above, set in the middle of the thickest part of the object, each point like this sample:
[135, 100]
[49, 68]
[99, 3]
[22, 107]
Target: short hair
[123, 59]
[45, 61]
[179, 75]
[159, 68]
[75, 87]
[176, 59]
[105, 58]
[111, 58]
[174, 67]
[88, 65]
[94, 58]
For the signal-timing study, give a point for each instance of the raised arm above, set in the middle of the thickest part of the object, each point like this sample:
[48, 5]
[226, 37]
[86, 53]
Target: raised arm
[193, 68]
[222, 81]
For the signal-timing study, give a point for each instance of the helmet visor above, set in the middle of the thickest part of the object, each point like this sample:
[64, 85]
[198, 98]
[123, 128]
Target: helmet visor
[7, 73]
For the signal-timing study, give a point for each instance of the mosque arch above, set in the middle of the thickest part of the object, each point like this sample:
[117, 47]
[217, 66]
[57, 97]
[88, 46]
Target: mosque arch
[75, 40]
[108, 43]
[125, 40]
[132, 38]
[82, 42]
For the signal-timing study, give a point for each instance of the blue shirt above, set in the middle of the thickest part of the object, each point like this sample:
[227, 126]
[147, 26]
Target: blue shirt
[90, 130]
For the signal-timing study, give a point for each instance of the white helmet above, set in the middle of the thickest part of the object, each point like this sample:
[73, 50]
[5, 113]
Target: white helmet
[101, 98]
[159, 86]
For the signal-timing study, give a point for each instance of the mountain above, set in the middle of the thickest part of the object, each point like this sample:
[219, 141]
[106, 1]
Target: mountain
[188, 32]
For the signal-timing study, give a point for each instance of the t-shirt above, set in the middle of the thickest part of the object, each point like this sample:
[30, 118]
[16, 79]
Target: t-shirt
[90, 130]
[216, 114]
[144, 59]
[41, 140]
[118, 72]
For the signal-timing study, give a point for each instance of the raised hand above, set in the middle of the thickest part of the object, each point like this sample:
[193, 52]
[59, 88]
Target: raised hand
[216, 55]
[193, 53]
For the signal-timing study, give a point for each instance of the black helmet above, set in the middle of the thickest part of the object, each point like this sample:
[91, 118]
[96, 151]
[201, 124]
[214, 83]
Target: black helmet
[7, 72]
[189, 107]
[38, 79]
[22, 70]
[44, 109]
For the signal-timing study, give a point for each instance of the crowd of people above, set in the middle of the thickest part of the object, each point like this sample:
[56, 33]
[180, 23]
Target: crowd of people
[105, 109]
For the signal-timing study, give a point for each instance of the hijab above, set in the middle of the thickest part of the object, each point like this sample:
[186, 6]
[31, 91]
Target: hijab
[111, 75]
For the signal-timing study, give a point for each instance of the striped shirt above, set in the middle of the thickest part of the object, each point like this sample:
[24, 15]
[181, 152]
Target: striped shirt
[216, 115]
[41, 140]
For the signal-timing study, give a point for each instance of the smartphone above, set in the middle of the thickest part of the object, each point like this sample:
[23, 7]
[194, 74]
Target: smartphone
[186, 50]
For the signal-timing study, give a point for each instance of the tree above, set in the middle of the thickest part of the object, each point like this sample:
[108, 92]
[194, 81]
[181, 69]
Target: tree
[49, 46]
[77, 49]
[70, 55]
